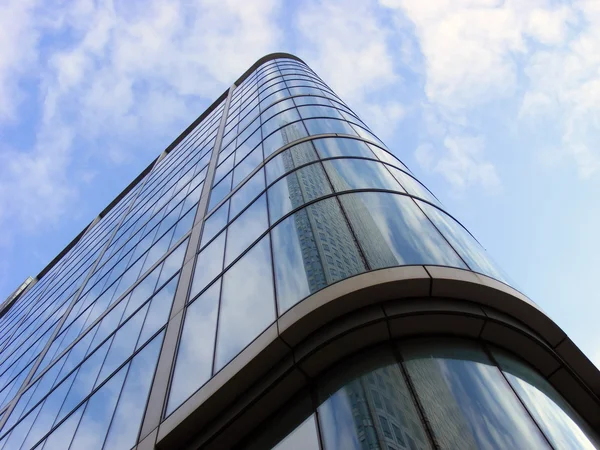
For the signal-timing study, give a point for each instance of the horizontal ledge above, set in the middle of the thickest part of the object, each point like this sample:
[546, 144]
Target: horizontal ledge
[364, 310]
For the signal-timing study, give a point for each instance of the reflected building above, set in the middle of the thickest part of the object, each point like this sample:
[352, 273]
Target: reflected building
[239, 293]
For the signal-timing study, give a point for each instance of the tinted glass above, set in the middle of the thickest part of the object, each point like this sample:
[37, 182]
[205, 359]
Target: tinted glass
[311, 249]
[247, 302]
[561, 424]
[467, 400]
[392, 231]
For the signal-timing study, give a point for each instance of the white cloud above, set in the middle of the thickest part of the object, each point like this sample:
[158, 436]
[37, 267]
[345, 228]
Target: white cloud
[541, 54]
[114, 79]
[347, 44]
[461, 162]
[18, 41]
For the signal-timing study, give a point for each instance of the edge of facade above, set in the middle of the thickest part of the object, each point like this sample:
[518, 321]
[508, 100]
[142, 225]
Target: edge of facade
[370, 309]
[148, 168]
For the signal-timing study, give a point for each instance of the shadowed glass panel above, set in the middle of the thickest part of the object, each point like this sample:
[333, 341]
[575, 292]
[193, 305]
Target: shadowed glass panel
[466, 399]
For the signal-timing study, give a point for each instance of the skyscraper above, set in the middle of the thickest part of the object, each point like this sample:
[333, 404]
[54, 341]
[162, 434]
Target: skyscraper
[278, 278]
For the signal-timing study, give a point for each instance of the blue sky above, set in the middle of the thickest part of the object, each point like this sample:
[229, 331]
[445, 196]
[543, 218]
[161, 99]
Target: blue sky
[495, 105]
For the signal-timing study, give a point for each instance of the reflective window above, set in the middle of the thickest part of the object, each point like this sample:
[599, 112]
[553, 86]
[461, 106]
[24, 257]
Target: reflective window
[195, 353]
[283, 136]
[412, 186]
[318, 111]
[246, 166]
[297, 188]
[215, 223]
[350, 418]
[332, 147]
[280, 120]
[465, 244]
[288, 160]
[393, 231]
[327, 126]
[561, 424]
[347, 174]
[209, 264]
[248, 192]
[219, 192]
[305, 437]
[247, 302]
[308, 257]
[467, 400]
[246, 229]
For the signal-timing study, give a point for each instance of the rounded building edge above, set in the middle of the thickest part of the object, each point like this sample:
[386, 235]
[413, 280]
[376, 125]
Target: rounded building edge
[369, 309]
[264, 59]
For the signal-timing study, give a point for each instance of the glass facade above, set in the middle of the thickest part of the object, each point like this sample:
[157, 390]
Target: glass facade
[424, 394]
[277, 192]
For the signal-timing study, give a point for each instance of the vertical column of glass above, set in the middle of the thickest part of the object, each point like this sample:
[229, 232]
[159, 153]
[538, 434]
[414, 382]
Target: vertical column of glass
[100, 235]
[160, 386]
[78, 253]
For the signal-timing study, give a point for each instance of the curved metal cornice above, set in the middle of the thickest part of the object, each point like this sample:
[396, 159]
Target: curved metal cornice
[365, 310]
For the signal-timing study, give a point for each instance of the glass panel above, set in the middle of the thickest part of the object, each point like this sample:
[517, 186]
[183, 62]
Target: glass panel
[250, 144]
[311, 249]
[282, 137]
[296, 189]
[195, 354]
[318, 111]
[465, 244]
[247, 303]
[412, 186]
[209, 264]
[559, 421]
[18, 434]
[159, 310]
[98, 413]
[332, 147]
[142, 292]
[219, 192]
[62, 436]
[132, 403]
[466, 400]
[293, 157]
[246, 228]
[373, 408]
[328, 126]
[215, 223]
[84, 380]
[387, 157]
[246, 166]
[392, 231]
[311, 100]
[223, 169]
[123, 344]
[280, 120]
[248, 192]
[172, 263]
[348, 174]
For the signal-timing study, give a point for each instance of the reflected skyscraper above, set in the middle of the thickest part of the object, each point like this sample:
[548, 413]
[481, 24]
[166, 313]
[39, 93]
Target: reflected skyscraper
[278, 279]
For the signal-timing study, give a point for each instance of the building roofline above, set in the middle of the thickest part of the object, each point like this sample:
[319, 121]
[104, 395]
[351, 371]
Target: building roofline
[171, 146]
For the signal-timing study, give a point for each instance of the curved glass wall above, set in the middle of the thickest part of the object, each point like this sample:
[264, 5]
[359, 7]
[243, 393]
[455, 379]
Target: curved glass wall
[278, 192]
[427, 394]
[303, 196]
